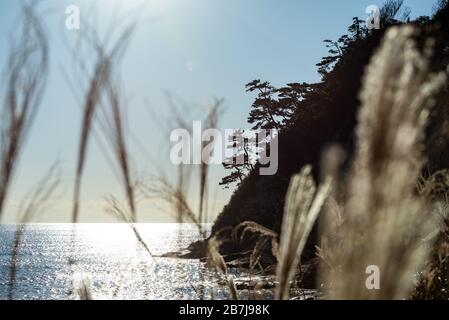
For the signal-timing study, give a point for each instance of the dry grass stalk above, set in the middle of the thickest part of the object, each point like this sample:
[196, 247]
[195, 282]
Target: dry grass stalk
[436, 187]
[162, 189]
[26, 77]
[122, 154]
[434, 277]
[216, 260]
[211, 123]
[302, 206]
[103, 92]
[30, 209]
[175, 196]
[255, 256]
[384, 221]
[114, 208]
[82, 288]
[114, 131]
[98, 84]
[238, 234]
[251, 226]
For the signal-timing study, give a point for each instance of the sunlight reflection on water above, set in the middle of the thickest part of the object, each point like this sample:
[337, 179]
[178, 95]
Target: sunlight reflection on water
[108, 256]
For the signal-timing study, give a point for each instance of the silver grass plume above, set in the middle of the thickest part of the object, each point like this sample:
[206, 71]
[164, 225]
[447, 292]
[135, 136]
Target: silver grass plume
[384, 220]
[302, 206]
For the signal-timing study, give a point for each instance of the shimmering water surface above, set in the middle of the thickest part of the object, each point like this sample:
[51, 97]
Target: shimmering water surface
[108, 258]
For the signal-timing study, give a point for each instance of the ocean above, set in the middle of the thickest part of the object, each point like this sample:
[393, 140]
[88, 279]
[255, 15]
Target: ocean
[108, 260]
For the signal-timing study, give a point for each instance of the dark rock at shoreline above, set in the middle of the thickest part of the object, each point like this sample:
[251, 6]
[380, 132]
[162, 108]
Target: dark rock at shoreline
[195, 250]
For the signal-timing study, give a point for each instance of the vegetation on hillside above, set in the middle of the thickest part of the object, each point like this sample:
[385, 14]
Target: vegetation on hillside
[314, 117]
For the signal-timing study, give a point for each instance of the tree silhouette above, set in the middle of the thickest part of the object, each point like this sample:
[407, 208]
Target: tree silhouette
[274, 108]
[336, 50]
[389, 11]
[264, 111]
[290, 98]
[241, 162]
[357, 29]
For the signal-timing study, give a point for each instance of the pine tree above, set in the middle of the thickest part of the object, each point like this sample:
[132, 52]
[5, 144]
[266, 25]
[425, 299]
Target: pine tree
[264, 111]
[290, 98]
[336, 50]
[241, 162]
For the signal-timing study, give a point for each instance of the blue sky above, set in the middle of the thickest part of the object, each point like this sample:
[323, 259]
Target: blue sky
[197, 50]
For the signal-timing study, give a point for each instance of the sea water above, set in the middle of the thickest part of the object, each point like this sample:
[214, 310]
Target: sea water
[107, 258]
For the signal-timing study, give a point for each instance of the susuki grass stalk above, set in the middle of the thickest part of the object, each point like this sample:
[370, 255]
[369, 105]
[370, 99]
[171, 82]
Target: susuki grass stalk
[434, 277]
[103, 106]
[31, 208]
[177, 199]
[211, 123]
[114, 130]
[175, 196]
[26, 75]
[98, 80]
[98, 84]
[385, 222]
[302, 206]
[216, 260]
